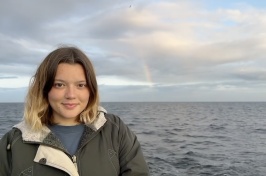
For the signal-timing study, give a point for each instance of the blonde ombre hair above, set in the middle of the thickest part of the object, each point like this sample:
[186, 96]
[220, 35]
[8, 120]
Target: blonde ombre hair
[37, 110]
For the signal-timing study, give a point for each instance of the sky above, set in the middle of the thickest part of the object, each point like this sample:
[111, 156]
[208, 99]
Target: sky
[142, 50]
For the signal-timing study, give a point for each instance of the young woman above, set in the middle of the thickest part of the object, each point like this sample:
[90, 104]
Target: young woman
[64, 130]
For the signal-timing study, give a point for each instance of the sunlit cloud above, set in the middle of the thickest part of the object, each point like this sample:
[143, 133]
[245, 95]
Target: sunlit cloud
[179, 50]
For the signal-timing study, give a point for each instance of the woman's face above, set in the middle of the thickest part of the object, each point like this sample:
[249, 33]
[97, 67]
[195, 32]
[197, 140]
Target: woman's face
[69, 94]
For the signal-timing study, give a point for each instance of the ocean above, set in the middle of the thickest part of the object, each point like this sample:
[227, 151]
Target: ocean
[188, 139]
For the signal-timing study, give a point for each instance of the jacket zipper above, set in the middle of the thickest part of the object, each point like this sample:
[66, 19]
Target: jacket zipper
[74, 159]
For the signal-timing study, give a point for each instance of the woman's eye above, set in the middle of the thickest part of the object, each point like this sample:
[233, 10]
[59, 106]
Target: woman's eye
[58, 85]
[82, 85]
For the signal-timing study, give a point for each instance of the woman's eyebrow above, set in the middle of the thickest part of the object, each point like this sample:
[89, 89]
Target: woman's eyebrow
[61, 80]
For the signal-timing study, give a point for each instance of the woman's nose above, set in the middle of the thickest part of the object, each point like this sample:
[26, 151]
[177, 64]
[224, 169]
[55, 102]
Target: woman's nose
[70, 92]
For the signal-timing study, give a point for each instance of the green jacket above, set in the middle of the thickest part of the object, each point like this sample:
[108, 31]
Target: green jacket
[107, 148]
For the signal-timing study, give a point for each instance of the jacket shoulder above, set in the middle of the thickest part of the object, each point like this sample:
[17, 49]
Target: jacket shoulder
[114, 120]
[131, 159]
[11, 136]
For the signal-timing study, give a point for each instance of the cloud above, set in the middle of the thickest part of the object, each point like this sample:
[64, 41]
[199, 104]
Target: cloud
[8, 77]
[156, 45]
[12, 94]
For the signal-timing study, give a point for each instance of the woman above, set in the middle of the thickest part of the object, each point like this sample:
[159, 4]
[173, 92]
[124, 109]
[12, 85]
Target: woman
[64, 130]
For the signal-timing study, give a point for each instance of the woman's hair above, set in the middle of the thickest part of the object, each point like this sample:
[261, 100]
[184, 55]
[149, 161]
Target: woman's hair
[37, 111]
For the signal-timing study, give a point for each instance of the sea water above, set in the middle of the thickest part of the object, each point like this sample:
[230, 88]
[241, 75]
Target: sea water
[188, 139]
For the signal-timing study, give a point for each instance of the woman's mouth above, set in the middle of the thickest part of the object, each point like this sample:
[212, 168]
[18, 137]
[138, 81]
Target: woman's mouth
[70, 105]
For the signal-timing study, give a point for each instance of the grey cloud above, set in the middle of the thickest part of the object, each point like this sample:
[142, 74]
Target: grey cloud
[32, 19]
[174, 48]
[8, 77]
[17, 70]
[119, 25]
[220, 91]
[254, 75]
[15, 53]
[7, 95]
[118, 65]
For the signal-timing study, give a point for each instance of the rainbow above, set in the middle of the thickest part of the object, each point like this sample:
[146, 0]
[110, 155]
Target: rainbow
[147, 74]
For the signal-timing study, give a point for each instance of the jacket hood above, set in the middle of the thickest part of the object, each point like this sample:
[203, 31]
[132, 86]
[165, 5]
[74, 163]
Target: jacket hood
[38, 136]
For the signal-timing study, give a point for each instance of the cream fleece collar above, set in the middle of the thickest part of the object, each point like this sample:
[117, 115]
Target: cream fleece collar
[29, 135]
[46, 155]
